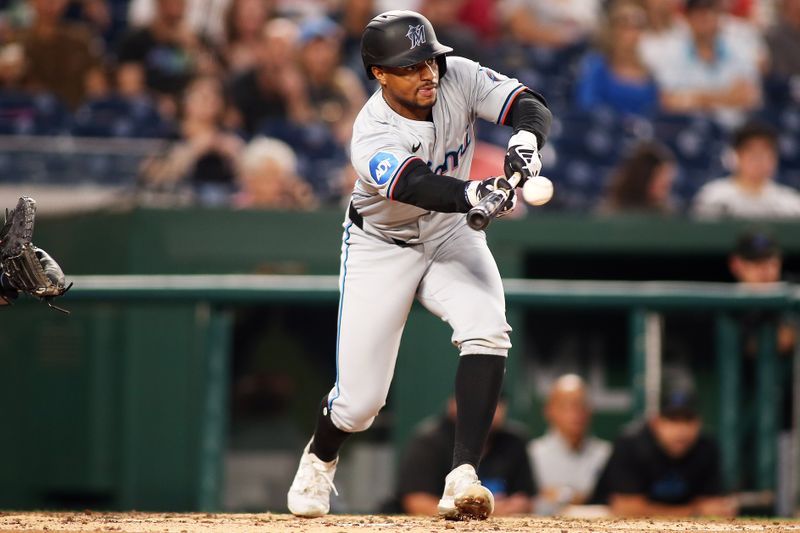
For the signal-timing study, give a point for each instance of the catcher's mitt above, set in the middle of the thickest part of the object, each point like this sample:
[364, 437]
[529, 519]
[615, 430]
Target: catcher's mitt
[25, 267]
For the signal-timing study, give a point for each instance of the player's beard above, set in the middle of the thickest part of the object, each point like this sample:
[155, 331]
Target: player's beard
[415, 105]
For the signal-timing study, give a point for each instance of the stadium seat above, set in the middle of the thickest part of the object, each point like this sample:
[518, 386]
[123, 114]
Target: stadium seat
[119, 117]
[32, 114]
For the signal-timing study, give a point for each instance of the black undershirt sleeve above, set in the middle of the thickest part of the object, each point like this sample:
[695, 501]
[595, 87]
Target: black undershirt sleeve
[418, 186]
[529, 112]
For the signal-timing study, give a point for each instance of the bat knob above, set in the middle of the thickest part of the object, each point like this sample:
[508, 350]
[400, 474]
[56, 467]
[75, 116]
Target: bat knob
[478, 218]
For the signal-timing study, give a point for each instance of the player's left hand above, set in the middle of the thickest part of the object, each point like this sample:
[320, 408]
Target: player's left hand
[522, 156]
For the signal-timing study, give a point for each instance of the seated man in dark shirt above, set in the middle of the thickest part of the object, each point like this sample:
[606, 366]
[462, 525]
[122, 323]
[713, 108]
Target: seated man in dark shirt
[504, 469]
[667, 467]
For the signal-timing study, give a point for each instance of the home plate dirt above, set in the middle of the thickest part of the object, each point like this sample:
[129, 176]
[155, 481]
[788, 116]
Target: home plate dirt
[246, 523]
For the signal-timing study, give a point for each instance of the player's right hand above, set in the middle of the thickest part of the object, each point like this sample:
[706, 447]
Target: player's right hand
[475, 191]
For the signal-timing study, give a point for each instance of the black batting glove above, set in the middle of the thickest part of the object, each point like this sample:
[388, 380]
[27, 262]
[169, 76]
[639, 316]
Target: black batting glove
[475, 191]
[522, 156]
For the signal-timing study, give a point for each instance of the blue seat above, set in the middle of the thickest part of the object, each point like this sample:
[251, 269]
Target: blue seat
[594, 136]
[688, 135]
[119, 117]
[780, 92]
[579, 181]
[32, 114]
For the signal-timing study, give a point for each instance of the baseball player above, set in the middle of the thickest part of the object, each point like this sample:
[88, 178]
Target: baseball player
[405, 237]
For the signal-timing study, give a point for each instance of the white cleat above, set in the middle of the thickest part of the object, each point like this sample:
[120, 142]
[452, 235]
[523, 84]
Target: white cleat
[464, 497]
[310, 493]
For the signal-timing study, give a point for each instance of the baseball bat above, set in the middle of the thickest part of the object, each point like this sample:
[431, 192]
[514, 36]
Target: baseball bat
[490, 205]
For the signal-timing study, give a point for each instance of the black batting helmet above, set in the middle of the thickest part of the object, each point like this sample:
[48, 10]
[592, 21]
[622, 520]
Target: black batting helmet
[400, 39]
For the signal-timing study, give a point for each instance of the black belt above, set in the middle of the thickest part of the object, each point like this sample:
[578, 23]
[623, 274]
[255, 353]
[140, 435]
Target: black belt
[358, 220]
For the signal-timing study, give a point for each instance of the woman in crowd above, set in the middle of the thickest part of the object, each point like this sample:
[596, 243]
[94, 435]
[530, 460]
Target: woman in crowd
[613, 76]
[643, 182]
[205, 156]
[244, 23]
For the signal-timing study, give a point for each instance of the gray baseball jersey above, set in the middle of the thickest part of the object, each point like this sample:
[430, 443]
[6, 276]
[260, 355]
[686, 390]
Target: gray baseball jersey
[446, 265]
[384, 142]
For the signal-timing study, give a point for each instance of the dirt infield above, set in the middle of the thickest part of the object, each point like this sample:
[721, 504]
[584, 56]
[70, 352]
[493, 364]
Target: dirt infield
[246, 523]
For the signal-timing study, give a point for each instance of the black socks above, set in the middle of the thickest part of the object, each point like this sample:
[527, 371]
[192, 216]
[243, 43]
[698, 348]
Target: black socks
[327, 437]
[479, 379]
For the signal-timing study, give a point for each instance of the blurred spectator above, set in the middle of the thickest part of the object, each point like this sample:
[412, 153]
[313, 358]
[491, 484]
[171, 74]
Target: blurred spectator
[665, 29]
[205, 18]
[759, 12]
[747, 36]
[544, 23]
[106, 18]
[170, 54]
[709, 70]
[642, 182]
[666, 466]
[353, 16]
[305, 9]
[244, 23]
[443, 14]
[567, 461]
[614, 76]
[130, 80]
[750, 192]
[504, 467]
[23, 112]
[120, 108]
[481, 16]
[12, 67]
[274, 88]
[335, 94]
[755, 261]
[268, 178]
[59, 55]
[784, 40]
[205, 157]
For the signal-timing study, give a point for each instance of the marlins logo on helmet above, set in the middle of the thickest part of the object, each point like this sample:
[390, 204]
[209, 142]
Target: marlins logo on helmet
[416, 34]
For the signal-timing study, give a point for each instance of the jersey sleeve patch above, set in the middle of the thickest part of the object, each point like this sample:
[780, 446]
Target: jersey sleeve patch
[382, 167]
[492, 75]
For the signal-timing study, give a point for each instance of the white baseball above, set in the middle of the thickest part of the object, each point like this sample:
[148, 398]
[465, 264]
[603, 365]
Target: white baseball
[537, 190]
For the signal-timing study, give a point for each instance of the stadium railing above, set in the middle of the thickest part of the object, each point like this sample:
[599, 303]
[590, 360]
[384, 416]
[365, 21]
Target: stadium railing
[643, 301]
